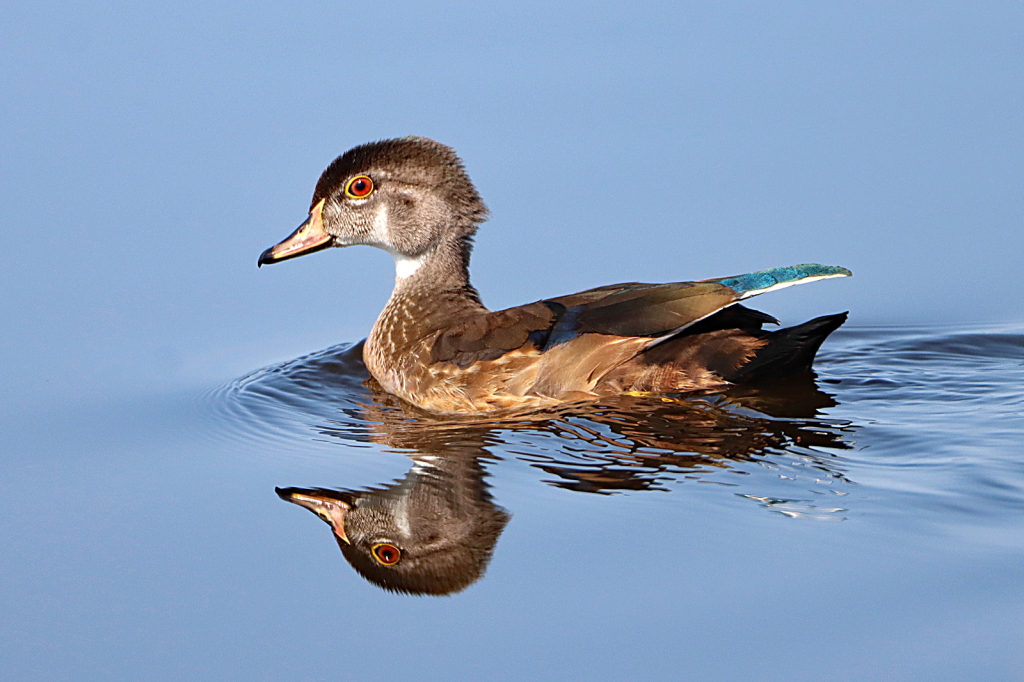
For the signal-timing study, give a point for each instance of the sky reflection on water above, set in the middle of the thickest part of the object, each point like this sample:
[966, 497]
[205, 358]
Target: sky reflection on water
[160, 548]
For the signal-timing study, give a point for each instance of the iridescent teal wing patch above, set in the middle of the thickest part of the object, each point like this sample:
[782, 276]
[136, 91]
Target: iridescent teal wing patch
[777, 278]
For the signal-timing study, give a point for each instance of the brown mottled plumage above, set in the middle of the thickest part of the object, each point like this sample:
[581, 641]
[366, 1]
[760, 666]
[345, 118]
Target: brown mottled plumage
[436, 345]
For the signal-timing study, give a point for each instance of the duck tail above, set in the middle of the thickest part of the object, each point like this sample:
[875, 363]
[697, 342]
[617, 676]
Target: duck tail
[789, 351]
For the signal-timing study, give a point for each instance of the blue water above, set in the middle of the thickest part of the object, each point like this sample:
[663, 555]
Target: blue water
[865, 525]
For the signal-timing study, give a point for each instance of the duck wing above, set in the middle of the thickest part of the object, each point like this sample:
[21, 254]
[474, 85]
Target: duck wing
[664, 310]
[488, 336]
[633, 309]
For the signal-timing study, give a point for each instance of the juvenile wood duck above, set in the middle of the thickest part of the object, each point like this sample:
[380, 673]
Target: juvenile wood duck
[436, 346]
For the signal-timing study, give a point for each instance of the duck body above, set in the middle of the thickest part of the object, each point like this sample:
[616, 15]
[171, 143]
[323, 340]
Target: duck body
[436, 346]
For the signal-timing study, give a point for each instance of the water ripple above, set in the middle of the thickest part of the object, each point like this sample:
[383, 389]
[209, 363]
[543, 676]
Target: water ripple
[930, 419]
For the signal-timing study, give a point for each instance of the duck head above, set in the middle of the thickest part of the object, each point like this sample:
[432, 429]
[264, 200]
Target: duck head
[433, 532]
[409, 196]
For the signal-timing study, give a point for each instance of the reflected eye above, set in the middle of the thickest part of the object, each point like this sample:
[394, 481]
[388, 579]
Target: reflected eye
[359, 187]
[386, 553]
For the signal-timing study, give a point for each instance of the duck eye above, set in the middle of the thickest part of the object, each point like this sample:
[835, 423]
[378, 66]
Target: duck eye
[386, 553]
[359, 187]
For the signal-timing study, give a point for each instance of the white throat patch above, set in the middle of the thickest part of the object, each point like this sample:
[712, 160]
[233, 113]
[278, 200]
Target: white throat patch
[405, 266]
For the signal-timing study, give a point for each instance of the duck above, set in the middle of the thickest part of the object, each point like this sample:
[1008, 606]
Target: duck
[436, 346]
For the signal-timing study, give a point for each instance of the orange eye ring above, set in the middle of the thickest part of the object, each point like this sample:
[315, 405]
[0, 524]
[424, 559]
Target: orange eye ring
[386, 553]
[359, 187]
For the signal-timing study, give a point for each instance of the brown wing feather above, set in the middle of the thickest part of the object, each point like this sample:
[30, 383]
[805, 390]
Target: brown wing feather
[655, 311]
[636, 309]
[490, 335]
[620, 310]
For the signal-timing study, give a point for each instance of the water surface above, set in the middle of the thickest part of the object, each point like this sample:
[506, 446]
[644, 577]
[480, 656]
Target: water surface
[862, 524]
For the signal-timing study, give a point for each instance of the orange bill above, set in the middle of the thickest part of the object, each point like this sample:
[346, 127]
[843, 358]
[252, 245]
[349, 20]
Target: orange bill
[330, 509]
[309, 237]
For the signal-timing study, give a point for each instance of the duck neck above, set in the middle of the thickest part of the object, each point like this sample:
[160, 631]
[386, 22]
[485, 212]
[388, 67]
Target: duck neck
[442, 267]
[432, 292]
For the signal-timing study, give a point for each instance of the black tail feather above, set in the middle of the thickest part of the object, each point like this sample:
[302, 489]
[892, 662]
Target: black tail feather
[788, 351]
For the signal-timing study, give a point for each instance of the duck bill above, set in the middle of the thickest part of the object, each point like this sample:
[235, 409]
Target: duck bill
[330, 509]
[309, 237]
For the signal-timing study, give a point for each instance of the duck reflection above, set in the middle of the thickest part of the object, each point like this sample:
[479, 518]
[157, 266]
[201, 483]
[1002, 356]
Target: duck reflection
[634, 444]
[434, 531]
